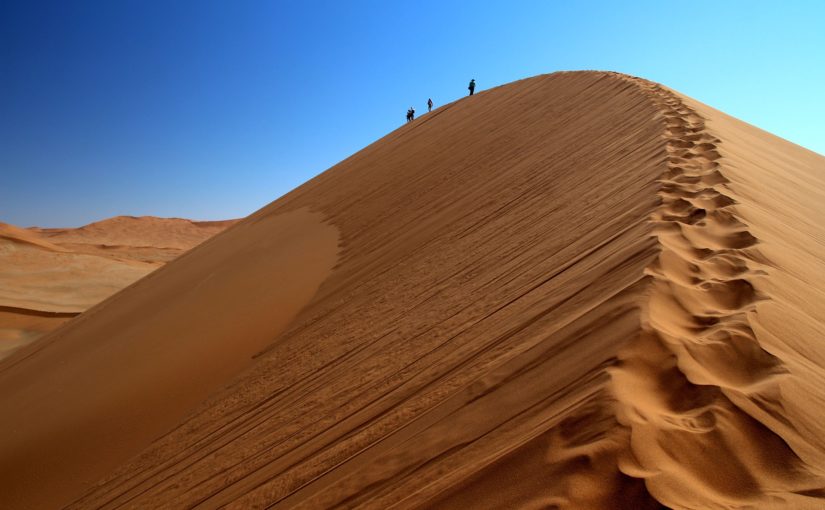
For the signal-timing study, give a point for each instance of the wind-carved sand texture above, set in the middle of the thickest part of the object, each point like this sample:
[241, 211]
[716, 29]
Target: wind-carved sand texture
[702, 396]
[580, 290]
[48, 276]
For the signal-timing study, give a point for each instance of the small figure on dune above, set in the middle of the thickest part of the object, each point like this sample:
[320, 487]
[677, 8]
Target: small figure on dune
[472, 86]
[410, 114]
[429, 105]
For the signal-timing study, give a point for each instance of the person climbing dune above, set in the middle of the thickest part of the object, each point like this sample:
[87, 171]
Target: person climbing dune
[429, 105]
[472, 86]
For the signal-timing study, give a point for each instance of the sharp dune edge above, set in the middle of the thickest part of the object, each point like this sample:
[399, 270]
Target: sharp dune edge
[579, 290]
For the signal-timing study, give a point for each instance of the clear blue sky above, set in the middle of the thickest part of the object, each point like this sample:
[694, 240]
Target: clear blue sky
[210, 110]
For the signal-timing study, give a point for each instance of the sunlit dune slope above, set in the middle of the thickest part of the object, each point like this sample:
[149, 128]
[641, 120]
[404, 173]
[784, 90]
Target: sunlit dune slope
[94, 392]
[580, 290]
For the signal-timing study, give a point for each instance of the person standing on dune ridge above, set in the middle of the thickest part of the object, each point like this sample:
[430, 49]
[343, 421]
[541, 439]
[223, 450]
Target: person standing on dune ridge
[429, 104]
[472, 86]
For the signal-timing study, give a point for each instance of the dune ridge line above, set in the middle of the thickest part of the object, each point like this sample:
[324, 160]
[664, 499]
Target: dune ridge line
[689, 440]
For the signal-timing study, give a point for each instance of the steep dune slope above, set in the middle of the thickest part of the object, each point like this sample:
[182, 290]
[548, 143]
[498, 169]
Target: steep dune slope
[723, 389]
[554, 294]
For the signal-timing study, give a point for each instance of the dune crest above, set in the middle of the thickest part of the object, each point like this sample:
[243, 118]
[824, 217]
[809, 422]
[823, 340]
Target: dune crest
[20, 235]
[576, 291]
[692, 441]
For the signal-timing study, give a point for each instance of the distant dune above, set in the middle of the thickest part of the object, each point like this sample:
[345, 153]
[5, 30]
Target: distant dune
[48, 276]
[581, 290]
[144, 238]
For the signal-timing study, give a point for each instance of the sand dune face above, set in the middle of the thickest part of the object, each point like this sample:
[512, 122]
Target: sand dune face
[129, 384]
[580, 290]
[714, 386]
[48, 276]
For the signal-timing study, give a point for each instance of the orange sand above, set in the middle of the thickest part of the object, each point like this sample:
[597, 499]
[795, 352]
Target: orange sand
[580, 290]
[50, 275]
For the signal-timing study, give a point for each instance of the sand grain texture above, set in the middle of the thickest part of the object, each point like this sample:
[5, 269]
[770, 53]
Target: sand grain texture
[581, 290]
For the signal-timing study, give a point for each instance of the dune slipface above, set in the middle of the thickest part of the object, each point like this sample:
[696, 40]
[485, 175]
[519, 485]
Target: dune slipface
[580, 290]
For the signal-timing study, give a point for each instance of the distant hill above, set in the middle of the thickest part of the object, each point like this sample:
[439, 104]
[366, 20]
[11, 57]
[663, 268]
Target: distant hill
[50, 275]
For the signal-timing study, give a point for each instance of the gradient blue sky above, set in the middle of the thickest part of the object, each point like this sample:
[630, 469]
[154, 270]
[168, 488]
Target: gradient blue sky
[212, 109]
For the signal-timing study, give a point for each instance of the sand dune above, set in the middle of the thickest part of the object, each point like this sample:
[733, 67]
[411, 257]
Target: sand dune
[715, 369]
[144, 238]
[581, 290]
[48, 276]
